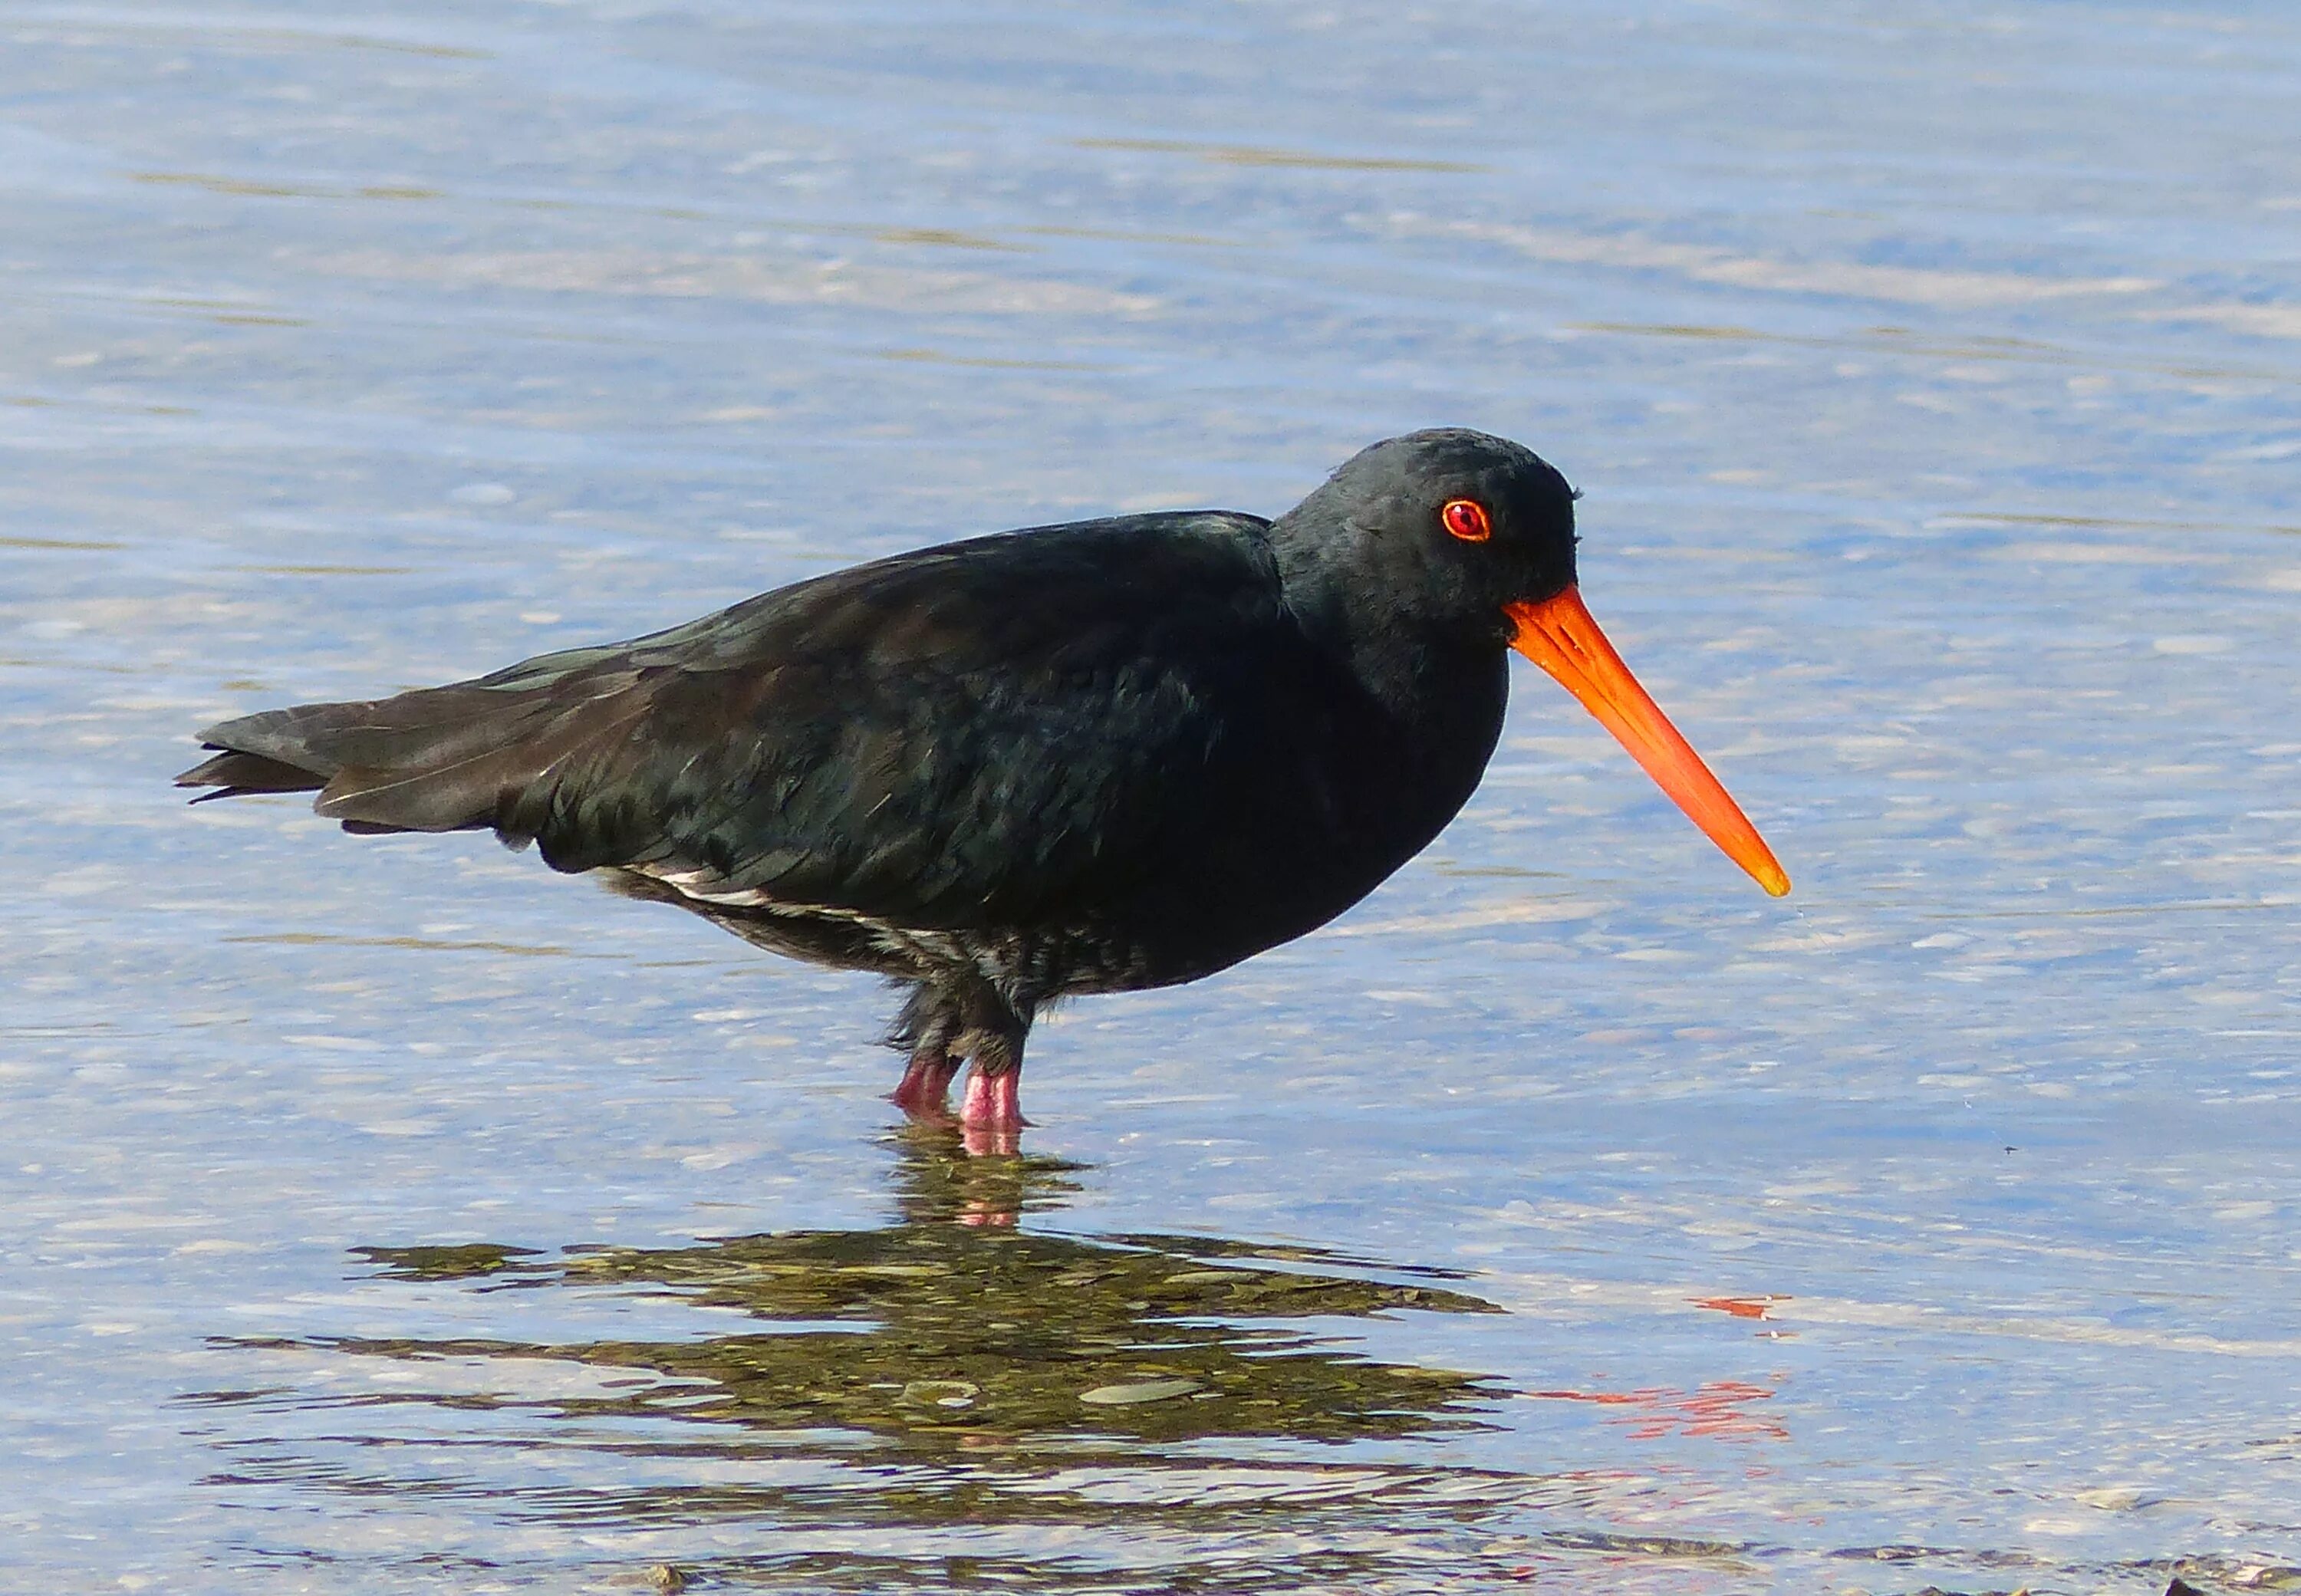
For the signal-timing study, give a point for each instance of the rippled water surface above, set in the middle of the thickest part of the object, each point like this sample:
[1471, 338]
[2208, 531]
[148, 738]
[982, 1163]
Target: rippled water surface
[394, 1215]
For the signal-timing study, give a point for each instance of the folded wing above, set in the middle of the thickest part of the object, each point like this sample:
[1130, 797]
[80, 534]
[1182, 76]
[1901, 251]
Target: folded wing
[969, 735]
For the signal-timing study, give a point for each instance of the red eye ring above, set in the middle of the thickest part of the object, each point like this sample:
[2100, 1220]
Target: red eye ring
[1465, 518]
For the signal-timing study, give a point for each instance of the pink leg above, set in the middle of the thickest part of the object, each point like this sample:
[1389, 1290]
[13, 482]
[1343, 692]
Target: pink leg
[991, 1117]
[925, 1089]
[993, 1102]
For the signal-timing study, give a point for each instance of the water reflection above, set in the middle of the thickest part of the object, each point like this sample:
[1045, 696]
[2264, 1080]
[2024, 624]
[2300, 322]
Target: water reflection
[957, 1399]
[932, 1389]
[954, 1324]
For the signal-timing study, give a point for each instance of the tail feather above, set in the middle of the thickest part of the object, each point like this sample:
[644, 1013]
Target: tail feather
[439, 760]
[233, 772]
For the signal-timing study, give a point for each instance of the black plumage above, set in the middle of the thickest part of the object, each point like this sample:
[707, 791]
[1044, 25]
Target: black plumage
[1099, 757]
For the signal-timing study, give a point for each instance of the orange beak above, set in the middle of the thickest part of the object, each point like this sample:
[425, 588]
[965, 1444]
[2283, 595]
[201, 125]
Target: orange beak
[1558, 635]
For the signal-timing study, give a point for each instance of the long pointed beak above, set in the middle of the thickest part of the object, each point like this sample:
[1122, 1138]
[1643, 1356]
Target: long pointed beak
[1558, 635]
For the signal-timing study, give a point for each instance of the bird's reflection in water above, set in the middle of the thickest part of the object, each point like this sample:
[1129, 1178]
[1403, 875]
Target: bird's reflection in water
[955, 1323]
[957, 1383]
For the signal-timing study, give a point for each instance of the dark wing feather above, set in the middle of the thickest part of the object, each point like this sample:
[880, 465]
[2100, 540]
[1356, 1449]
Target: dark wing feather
[978, 734]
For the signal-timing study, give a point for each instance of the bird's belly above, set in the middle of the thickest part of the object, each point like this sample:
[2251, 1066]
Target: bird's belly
[814, 934]
[1050, 958]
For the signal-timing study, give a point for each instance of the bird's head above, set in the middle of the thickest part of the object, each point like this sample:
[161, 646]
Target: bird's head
[1457, 533]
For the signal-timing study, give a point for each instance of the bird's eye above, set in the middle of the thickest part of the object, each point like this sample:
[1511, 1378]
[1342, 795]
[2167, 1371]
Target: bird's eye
[1465, 518]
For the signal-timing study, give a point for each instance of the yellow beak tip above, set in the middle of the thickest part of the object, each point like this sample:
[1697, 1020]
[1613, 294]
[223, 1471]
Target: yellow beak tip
[1772, 878]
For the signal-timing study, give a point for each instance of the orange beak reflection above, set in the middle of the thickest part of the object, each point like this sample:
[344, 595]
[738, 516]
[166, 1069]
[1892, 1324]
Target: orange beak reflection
[1558, 635]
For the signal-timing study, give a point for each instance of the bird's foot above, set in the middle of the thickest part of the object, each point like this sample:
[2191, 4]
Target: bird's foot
[990, 1119]
[925, 1092]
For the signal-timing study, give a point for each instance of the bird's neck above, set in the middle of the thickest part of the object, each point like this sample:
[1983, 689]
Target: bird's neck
[1427, 710]
[1417, 668]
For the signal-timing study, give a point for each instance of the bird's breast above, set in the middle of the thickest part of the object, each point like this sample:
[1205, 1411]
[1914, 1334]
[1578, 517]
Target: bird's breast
[1311, 809]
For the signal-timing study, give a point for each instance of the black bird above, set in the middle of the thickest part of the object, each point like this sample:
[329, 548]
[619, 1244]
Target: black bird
[1095, 757]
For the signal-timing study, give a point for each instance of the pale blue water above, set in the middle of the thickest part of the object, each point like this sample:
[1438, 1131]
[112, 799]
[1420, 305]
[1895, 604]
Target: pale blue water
[1930, 372]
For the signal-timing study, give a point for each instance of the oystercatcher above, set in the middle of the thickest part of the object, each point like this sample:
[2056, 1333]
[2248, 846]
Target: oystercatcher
[1094, 757]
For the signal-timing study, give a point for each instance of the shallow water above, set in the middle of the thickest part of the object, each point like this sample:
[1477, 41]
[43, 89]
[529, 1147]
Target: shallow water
[394, 1215]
